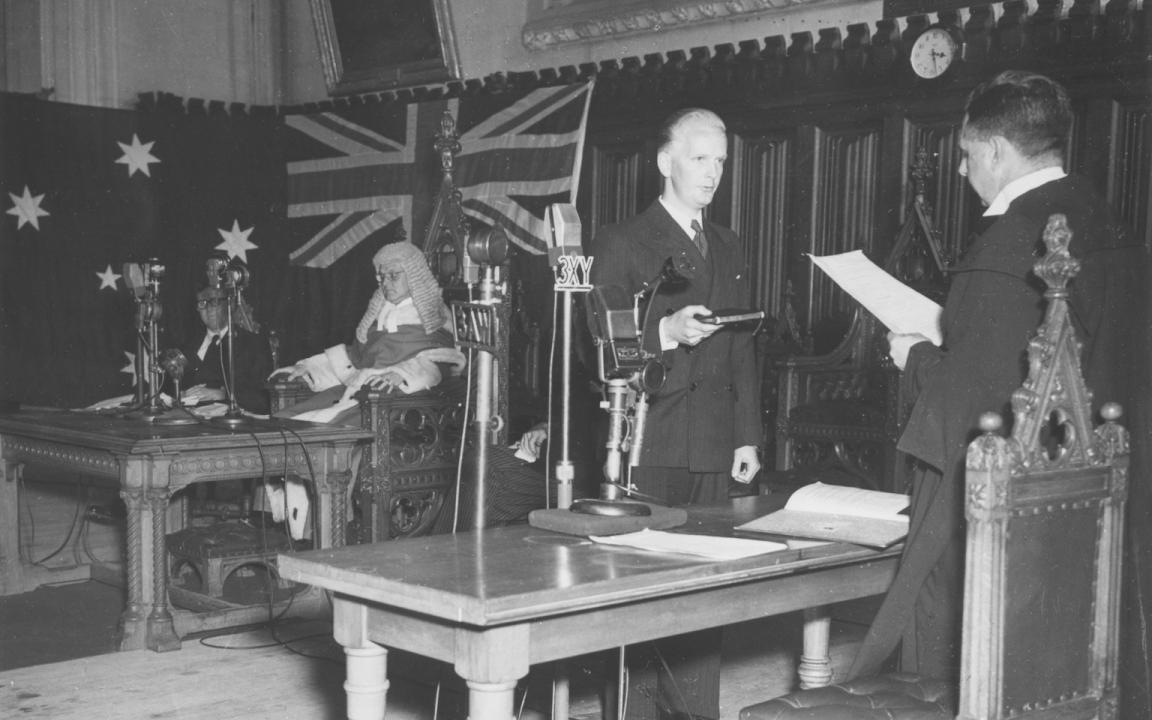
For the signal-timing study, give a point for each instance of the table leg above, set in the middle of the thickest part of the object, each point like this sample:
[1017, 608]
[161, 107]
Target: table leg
[492, 661]
[11, 566]
[161, 631]
[366, 685]
[815, 663]
[133, 630]
[332, 484]
[366, 663]
[491, 700]
[560, 691]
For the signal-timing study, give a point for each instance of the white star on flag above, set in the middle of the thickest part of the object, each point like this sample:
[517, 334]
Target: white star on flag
[130, 368]
[236, 241]
[27, 209]
[137, 156]
[108, 278]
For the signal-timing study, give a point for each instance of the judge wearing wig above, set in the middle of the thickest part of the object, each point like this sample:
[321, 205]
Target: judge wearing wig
[403, 343]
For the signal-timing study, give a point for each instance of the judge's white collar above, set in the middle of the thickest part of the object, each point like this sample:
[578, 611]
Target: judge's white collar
[393, 315]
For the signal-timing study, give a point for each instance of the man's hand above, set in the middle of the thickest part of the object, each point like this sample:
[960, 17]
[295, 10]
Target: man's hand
[292, 372]
[683, 328]
[201, 393]
[899, 345]
[386, 380]
[745, 464]
[531, 440]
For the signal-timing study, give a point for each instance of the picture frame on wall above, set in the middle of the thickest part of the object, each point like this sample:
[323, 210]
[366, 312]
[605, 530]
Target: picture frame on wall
[372, 45]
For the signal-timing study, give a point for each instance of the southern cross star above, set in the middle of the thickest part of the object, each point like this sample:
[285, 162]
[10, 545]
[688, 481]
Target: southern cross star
[27, 209]
[137, 156]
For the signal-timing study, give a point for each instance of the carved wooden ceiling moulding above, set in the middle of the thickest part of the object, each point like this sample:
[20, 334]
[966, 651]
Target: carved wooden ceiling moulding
[566, 21]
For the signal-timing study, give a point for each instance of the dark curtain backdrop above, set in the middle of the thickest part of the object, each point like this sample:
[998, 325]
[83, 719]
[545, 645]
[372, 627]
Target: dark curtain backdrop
[66, 333]
[227, 167]
[64, 338]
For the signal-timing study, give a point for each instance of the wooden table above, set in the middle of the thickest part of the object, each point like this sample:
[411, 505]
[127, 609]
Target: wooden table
[495, 602]
[151, 462]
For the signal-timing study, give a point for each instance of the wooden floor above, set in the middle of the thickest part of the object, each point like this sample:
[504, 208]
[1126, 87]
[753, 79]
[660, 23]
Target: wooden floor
[298, 674]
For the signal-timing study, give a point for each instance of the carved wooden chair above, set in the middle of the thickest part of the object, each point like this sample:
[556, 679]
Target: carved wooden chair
[406, 482]
[842, 411]
[1045, 511]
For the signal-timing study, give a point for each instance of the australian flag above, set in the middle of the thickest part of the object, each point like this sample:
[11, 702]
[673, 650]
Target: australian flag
[357, 170]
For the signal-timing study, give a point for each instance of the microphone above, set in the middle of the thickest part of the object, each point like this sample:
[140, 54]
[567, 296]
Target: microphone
[174, 363]
[214, 268]
[235, 275]
[564, 239]
[139, 276]
[674, 274]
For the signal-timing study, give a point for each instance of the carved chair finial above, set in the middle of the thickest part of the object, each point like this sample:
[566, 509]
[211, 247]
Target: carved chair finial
[447, 142]
[1054, 393]
[1057, 267]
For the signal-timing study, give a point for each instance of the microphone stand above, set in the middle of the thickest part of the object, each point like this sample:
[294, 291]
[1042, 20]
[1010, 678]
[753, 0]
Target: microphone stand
[233, 416]
[565, 469]
[485, 379]
[648, 378]
[148, 312]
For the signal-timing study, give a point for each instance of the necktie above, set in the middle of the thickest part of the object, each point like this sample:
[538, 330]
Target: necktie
[698, 238]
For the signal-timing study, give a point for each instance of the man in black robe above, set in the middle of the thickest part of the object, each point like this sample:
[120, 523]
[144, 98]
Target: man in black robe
[1012, 144]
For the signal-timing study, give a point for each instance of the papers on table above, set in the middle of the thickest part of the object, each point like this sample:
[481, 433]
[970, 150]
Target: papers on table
[902, 310]
[842, 514]
[708, 546]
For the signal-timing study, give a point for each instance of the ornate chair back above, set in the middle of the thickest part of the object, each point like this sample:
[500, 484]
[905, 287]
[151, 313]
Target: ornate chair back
[1045, 512]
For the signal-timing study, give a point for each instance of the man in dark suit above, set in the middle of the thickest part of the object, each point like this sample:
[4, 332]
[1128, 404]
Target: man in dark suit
[206, 376]
[704, 425]
[1012, 152]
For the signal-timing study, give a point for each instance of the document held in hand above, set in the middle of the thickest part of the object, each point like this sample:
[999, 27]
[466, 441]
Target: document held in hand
[837, 513]
[902, 310]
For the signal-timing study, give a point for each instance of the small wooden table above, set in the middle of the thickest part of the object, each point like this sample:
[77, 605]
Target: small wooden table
[495, 602]
[151, 462]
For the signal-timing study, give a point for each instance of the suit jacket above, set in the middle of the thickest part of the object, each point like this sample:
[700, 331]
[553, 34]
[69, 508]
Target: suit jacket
[253, 361]
[710, 402]
[994, 306]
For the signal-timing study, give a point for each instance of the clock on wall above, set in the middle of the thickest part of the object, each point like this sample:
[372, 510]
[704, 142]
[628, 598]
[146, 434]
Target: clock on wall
[935, 51]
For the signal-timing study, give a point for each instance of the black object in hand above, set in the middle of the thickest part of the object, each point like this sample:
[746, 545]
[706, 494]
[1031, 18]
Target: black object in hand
[729, 316]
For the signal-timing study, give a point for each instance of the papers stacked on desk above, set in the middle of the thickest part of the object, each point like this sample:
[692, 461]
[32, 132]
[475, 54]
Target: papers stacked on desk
[837, 513]
[708, 546]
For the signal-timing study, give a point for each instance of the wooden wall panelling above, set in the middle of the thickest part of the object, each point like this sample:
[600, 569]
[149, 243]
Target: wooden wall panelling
[620, 182]
[761, 184]
[844, 208]
[1129, 181]
[954, 205]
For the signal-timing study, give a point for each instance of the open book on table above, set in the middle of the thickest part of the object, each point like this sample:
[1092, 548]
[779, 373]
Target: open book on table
[900, 308]
[837, 513]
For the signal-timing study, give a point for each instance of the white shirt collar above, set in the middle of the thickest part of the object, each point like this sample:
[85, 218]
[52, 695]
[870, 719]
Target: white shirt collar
[1021, 185]
[208, 336]
[684, 220]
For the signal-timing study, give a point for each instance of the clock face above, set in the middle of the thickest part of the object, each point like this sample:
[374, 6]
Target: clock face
[933, 53]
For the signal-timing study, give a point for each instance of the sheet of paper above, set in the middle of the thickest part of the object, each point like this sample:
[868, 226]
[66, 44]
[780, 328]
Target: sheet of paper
[899, 307]
[709, 546]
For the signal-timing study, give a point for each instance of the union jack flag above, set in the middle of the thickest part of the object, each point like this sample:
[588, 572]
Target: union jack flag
[366, 167]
